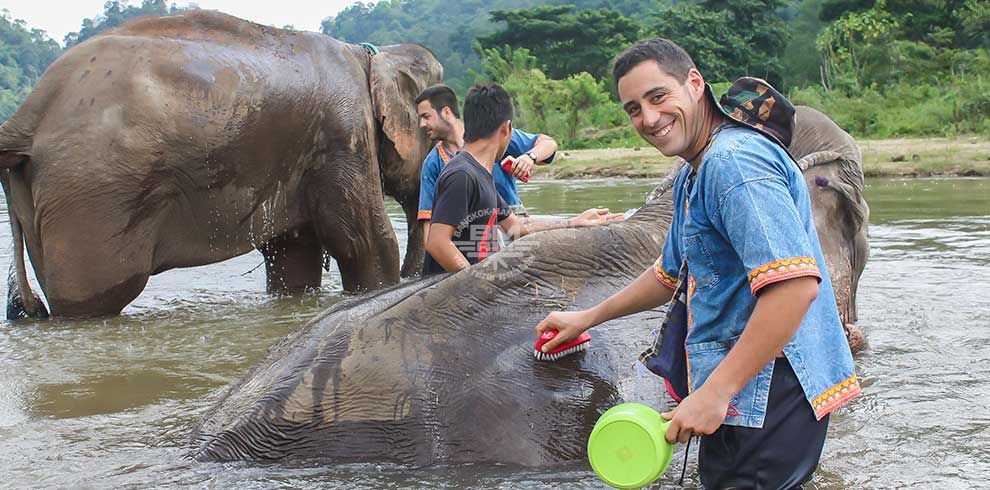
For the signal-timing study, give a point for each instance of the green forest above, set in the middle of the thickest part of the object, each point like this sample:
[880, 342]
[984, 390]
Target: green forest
[880, 68]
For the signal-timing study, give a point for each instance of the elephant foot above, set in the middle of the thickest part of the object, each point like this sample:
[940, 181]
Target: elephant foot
[17, 310]
[856, 338]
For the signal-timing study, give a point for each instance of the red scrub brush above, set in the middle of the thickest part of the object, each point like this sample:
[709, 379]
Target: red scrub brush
[577, 345]
[507, 166]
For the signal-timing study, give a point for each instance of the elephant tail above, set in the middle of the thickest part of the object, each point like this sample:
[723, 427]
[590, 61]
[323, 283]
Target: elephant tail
[22, 302]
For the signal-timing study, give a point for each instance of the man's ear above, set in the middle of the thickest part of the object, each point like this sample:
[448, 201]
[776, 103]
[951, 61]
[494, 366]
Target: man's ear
[696, 83]
[446, 114]
[506, 128]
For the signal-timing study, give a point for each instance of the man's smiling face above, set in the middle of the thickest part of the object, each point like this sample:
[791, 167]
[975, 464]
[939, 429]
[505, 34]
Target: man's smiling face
[662, 109]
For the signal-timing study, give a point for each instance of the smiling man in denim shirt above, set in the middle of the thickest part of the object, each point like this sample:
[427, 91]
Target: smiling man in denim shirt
[766, 353]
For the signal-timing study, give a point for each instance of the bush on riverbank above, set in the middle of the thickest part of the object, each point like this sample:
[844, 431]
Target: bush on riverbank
[906, 109]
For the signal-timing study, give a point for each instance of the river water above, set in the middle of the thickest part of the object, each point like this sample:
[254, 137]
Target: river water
[109, 403]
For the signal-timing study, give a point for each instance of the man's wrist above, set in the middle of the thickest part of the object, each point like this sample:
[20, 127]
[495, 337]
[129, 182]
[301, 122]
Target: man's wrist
[532, 156]
[720, 388]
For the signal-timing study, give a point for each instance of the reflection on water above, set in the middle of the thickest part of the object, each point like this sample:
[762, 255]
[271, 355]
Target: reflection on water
[109, 403]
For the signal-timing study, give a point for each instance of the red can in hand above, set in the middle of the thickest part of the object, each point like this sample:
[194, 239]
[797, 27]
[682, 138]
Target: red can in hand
[507, 166]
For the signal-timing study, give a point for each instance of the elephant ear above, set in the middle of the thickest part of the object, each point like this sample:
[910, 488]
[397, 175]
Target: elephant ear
[398, 74]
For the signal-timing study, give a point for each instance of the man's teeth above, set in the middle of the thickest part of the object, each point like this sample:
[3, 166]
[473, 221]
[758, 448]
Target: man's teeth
[664, 131]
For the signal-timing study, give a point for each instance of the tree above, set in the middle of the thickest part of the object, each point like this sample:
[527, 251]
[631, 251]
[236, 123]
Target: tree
[556, 107]
[448, 27]
[24, 55]
[728, 39]
[564, 41]
[905, 40]
[830, 10]
[800, 69]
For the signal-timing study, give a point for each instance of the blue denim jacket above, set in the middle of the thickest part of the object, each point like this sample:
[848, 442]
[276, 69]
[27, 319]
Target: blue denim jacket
[743, 222]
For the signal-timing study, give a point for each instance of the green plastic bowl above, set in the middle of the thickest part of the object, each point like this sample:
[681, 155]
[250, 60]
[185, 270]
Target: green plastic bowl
[627, 448]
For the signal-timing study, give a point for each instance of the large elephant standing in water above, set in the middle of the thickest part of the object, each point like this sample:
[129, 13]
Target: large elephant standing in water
[442, 370]
[186, 140]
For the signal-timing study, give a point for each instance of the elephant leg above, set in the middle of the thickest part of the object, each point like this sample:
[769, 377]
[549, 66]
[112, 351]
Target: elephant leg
[292, 261]
[412, 264]
[359, 236]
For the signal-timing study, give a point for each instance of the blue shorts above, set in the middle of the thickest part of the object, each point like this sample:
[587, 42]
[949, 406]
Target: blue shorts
[781, 455]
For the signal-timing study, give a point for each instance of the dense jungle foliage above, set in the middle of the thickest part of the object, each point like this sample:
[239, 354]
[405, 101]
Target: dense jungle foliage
[881, 68]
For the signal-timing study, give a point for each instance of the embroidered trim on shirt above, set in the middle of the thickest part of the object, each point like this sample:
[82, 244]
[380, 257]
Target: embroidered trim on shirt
[836, 396]
[444, 157]
[663, 277]
[425, 214]
[782, 270]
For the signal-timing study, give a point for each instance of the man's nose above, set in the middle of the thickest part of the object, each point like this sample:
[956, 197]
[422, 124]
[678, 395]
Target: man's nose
[651, 116]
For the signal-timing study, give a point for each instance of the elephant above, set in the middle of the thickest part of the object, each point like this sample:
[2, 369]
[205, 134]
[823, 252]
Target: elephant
[442, 370]
[833, 169]
[186, 140]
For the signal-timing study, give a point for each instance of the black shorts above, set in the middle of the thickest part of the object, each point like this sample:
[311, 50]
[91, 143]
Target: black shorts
[781, 455]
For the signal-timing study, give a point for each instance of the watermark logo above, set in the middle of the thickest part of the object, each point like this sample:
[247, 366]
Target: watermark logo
[481, 239]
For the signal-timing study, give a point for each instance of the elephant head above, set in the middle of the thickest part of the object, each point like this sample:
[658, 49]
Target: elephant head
[398, 74]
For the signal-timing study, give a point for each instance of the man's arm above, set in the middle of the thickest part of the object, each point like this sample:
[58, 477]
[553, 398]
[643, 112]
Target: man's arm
[440, 245]
[774, 321]
[544, 148]
[517, 227]
[644, 293]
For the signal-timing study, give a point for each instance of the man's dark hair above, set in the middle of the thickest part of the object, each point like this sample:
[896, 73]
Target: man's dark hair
[440, 96]
[671, 58]
[486, 107]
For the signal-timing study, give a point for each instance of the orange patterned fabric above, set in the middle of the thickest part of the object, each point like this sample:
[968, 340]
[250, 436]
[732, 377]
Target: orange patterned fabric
[663, 277]
[425, 214]
[836, 396]
[782, 270]
[444, 156]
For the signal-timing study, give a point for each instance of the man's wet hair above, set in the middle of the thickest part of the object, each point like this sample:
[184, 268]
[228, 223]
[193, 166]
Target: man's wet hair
[671, 58]
[440, 96]
[486, 107]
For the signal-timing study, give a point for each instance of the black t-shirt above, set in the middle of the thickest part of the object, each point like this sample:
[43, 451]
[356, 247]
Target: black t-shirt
[466, 199]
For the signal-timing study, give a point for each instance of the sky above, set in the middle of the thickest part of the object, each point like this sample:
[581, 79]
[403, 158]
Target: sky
[60, 17]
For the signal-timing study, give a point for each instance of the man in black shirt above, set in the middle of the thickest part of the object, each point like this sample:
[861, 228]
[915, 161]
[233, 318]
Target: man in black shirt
[466, 206]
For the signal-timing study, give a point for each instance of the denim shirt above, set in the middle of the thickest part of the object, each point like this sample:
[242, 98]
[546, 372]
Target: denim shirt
[743, 222]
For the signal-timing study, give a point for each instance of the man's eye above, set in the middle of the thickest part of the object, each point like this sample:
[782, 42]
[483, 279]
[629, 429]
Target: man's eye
[656, 98]
[632, 111]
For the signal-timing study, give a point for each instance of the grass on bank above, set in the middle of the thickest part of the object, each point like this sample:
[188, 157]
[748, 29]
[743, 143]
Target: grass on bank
[955, 156]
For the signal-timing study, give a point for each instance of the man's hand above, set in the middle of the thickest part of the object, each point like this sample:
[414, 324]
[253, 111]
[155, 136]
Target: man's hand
[595, 217]
[522, 166]
[568, 324]
[701, 413]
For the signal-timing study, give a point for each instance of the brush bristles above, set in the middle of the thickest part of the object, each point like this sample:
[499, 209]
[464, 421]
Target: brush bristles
[543, 356]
